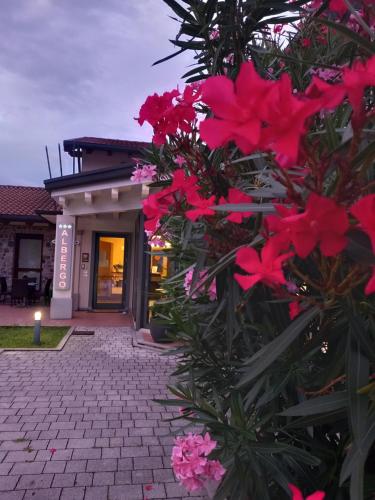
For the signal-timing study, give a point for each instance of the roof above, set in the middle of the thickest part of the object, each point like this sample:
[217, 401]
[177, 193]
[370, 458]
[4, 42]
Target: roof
[92, 177]
[104, 144]
[25, 203]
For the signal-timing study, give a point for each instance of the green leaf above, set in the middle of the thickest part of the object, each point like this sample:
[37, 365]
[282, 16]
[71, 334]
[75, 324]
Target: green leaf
[159, 61]
[180, 11]
[351, 35]
[266, 208]
[321, 404]
[269, 353]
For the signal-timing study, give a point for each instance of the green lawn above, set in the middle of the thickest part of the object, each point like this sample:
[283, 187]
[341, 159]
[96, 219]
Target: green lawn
[22, 336]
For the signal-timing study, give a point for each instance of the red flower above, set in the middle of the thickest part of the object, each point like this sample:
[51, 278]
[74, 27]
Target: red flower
[370, 287]
[338, 6]
[202, 206]
[53, 451]
[237, 109]
[149, 487]
[356, 79]
[159, 204]
[297, 494]
[323, 223]
[165, 116]
[236, 196]
[286, 117]
[268, 269]
[364, 211]
[294, 310]
[306, 42]
[328, 95]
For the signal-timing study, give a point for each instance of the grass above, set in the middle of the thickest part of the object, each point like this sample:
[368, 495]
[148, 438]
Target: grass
[22, 336]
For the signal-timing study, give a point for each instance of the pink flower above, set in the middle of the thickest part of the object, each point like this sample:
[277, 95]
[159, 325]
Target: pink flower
[53, 451]
[356, 79]
[190, 463]
[235, 196]
[180, 160]
[267, 269]
[297, 494]
[214, 35]
[278, 28]
[144, 173]
[202, 206]
[211, 291]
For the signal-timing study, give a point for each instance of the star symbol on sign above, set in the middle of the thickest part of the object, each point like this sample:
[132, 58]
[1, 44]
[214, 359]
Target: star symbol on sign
[64, 226]
[60, 226]
[69, 226]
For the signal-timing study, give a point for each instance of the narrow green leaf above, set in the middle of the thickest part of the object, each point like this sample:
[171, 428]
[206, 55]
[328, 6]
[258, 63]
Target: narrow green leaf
[180, 11]
[159, 61]
[269, 353]
[348, 33]
[321, 404]
[267, 208]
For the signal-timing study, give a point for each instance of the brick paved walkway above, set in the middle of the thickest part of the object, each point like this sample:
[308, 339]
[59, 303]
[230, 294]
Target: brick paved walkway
[81, 424]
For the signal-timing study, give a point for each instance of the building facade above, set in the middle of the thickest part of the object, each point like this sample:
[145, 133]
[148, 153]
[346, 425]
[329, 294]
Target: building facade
[101, 259]
[26, 237]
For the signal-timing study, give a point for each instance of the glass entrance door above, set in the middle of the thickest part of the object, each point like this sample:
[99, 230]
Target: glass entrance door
[110, 271]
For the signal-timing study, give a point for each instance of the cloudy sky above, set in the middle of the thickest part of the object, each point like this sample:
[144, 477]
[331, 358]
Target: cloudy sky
[71, 68]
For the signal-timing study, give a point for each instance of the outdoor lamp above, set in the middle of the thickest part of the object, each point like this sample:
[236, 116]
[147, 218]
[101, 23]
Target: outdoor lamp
[37, 318]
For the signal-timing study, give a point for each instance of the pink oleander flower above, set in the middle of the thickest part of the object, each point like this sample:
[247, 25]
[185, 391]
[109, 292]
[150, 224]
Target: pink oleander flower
[294, 310]
[190, 463]
[214, 34]
[211, 291]
[179, 160]
[297, 494]
[143, 173]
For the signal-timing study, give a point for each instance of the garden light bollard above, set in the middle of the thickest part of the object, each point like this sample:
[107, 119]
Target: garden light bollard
[37, 317]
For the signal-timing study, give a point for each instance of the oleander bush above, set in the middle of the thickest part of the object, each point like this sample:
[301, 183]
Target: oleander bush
[266, 190]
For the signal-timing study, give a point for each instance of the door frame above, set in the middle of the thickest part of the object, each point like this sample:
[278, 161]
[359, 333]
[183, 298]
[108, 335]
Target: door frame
[126, 282]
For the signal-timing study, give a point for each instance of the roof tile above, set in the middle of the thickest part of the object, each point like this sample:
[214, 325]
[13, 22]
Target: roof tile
[25, 200]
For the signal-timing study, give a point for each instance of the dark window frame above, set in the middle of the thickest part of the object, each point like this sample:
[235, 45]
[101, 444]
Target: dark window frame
[16, 268]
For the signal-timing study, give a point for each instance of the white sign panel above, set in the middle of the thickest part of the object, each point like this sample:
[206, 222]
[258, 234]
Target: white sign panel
[64, 246]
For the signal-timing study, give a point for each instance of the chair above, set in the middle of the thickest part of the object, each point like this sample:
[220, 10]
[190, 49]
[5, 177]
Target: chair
[20, 292]
[4, 292]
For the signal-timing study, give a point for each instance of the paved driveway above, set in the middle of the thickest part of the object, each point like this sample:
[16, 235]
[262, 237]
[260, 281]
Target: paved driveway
[81, 424]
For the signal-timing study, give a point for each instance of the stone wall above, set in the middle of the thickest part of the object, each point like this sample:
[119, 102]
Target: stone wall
[8, 248]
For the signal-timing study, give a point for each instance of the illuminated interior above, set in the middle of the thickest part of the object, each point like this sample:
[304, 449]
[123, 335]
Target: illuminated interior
[159, 270]
[110, 274]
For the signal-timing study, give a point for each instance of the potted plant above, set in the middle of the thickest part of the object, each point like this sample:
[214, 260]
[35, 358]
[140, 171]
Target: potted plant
[159, 321]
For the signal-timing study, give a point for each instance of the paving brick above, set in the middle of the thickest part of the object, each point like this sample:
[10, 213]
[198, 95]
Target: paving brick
[97, 493]
[123, 477]
[28, 468]
[34, 481]
[84, 479]
[76, 466]
[81, 443]
[163, 476]
[135, 451]
[12, 495]
[87, 453]
[8, 482]
[58, 444]
[103, 479]
[142, 476]
[64, 480]
[105, 465]
[76, 493]
[148, 463]
[111, 452]
[154, 491]
[46, 494]
[5, 468]
[131, 492]
[20, 456]
[55, 467]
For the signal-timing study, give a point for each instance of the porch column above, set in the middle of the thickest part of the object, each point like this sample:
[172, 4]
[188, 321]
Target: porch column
[62, 295]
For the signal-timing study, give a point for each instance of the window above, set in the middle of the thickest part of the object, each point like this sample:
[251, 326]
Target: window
[28, 261]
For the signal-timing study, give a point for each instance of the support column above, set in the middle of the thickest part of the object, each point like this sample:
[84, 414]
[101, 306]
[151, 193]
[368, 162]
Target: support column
[62, 295]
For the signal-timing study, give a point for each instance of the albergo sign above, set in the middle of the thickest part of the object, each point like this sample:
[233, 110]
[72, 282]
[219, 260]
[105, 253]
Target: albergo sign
[63, 248]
